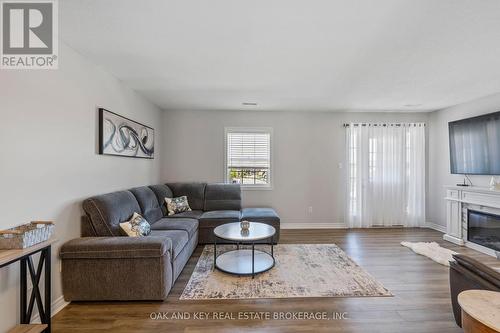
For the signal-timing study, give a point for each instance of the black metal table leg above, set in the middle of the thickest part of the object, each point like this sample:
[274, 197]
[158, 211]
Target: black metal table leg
[48, 293]
[215, 250]
[272, 248]
[253, 260]
[24, 291]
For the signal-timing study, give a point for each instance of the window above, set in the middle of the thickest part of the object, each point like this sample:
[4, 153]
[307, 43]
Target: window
[248, 157]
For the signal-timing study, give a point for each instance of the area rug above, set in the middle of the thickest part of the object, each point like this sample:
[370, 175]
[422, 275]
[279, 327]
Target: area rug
[431, 250]
[301, 270]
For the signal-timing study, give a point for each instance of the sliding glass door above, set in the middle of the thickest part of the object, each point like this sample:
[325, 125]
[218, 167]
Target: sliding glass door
[386, 175]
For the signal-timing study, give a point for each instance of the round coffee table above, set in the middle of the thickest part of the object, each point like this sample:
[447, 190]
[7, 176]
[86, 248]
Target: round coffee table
[244, 261]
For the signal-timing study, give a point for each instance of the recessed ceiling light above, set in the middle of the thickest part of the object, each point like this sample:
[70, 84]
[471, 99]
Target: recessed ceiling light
[249, 103]
[412, 105]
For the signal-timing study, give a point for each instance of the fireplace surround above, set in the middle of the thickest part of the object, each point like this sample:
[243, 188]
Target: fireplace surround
[470, 214]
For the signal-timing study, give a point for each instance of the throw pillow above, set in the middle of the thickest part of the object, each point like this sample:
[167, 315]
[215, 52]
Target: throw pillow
[137, 226]
[177, 205]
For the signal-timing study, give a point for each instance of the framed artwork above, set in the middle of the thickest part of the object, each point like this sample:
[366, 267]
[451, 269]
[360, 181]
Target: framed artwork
[121, 136]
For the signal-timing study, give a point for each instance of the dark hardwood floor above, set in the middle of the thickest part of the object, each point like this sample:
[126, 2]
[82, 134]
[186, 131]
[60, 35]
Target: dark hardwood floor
[421, 301]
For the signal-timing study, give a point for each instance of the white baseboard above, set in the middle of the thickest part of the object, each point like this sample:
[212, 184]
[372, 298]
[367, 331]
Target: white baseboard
[312, 225]
[57, 305]
[453, 239]
[330, 225]
[437, 227]
[480, 248]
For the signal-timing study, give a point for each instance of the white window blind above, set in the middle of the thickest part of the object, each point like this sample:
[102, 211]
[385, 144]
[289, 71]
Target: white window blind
[248, 156]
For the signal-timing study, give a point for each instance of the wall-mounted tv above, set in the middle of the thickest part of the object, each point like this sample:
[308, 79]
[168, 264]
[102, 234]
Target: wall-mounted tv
[475, 145]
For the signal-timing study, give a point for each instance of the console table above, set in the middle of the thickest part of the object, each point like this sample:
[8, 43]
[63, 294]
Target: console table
[24, 257]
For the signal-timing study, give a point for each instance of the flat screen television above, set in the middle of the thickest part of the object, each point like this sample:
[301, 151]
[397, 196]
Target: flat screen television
[475, 145]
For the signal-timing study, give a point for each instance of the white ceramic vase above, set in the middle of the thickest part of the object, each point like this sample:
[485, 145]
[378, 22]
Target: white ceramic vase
[245, 225]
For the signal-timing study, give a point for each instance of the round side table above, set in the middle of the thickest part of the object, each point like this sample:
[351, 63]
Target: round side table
[480, 310]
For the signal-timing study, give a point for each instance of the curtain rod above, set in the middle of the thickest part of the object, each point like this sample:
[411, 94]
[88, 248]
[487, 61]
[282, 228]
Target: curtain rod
[385, 124]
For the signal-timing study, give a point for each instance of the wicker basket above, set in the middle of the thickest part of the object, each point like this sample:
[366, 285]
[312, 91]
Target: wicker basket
[26, 235]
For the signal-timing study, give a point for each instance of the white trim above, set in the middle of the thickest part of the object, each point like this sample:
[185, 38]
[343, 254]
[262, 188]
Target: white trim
[57, 305]
[313, 226]
[256, 187]
[480, 248]
[305, 224]
[271, 162]
[453, 239]
[435, 226]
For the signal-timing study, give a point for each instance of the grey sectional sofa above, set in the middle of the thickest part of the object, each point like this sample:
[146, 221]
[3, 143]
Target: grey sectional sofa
[102, 265]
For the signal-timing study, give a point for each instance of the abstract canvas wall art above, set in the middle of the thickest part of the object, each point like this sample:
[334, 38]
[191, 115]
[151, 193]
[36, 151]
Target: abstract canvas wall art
[121, 136]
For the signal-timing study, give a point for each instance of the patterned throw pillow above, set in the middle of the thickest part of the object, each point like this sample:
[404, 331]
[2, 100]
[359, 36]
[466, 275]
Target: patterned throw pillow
[136, 227]
[177, 205]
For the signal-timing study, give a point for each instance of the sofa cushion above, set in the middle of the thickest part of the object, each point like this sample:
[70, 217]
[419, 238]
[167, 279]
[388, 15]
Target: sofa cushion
[218, 217]
[162, 191]
[188, 225]
[194, 214]
[179, 239]
[259, 215]
[107, 211]
[222, 197]
[195, 193]
[148, 202]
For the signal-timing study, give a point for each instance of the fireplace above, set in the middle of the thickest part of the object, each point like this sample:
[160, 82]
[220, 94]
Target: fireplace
[484, 229]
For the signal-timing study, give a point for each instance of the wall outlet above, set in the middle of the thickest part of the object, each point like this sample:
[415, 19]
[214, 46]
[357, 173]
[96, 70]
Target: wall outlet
[310, 209]
[340, 165]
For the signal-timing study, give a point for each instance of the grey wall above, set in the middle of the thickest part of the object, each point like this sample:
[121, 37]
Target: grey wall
[48, 160]
[439, 155]
[307, 148]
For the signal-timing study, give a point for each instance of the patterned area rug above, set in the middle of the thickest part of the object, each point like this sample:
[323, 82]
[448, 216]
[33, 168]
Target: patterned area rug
[301, 270]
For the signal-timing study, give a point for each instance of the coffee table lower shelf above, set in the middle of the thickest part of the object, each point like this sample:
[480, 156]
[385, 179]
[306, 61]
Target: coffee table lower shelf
[240, 262]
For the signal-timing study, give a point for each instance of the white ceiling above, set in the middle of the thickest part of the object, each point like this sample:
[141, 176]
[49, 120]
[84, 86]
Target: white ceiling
[293, 55]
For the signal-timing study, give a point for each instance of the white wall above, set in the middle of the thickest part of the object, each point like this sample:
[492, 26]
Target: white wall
[307, 148]
[439, 155]
[48, 161]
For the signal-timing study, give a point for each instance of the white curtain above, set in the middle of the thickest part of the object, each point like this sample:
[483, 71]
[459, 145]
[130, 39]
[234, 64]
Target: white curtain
[385, 175]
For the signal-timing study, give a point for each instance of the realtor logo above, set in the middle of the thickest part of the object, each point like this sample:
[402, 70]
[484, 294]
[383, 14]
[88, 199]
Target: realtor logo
[29, 39]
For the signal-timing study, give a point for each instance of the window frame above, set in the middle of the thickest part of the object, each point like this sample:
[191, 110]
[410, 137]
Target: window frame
[267, 130]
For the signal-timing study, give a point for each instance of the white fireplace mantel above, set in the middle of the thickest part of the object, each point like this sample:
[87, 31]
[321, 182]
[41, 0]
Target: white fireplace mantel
[458, 200]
